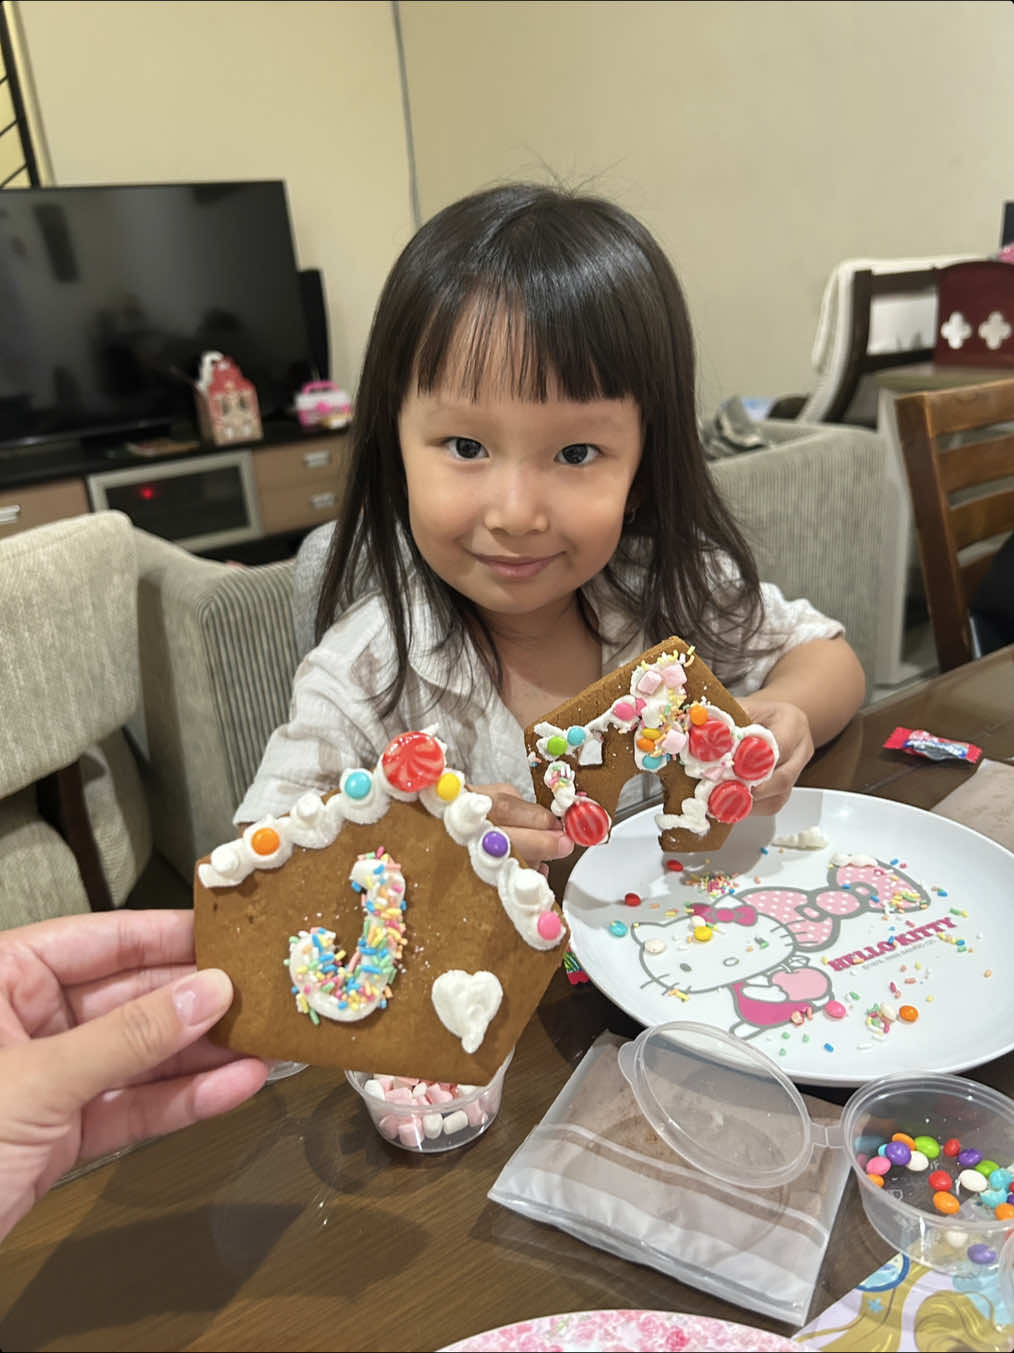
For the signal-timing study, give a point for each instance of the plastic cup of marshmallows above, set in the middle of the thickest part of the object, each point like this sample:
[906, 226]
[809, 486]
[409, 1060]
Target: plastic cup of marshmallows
[428, 1116]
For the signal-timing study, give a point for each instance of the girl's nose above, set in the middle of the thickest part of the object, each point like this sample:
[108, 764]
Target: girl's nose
[516, 504]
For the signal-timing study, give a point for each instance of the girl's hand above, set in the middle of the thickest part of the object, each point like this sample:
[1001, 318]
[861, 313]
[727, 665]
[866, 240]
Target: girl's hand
[536, 835]
[795, 747]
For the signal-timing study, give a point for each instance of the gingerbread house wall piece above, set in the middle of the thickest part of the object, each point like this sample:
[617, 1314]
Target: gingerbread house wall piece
[619, 750]
[454, 921]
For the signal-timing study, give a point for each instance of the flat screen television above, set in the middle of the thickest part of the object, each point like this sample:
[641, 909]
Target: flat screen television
[109, 295]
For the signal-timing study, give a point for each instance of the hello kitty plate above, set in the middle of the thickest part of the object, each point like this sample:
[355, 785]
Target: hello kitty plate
[848, 938]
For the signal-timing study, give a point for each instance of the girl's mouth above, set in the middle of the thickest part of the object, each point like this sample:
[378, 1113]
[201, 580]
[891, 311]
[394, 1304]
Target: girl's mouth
[517, 567]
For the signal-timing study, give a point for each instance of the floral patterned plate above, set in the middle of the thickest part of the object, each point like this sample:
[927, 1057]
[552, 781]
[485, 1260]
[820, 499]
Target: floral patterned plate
[613, 1331]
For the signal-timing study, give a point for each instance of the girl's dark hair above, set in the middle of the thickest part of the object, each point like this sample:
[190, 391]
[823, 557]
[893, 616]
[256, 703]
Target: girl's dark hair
[592, 302]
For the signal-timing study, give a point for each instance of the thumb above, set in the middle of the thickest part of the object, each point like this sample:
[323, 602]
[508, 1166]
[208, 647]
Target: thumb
[136, 1037]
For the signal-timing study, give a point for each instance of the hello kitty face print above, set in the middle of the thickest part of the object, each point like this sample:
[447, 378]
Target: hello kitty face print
[758, 944]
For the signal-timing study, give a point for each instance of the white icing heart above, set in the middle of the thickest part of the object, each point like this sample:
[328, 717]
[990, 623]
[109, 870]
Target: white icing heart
[465, 1003]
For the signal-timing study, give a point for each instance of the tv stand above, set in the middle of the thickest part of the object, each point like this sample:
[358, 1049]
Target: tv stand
[250, 501]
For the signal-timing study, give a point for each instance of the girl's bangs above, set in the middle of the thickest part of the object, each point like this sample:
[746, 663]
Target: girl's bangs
[526, 341]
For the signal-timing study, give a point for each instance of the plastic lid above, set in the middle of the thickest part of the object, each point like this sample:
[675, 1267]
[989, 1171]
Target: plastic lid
[721, 1104]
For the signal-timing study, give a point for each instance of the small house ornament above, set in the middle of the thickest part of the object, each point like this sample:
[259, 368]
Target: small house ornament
[227, 408]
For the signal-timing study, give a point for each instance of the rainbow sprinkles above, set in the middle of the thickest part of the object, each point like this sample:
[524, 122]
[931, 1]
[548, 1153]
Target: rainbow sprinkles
[322, 985]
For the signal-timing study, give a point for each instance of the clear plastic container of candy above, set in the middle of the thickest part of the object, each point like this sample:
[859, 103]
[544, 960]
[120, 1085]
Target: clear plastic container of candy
[942, 1148]
[934, 1153]
[429, 1116]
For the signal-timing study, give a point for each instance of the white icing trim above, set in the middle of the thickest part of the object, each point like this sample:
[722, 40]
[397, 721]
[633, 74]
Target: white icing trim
[466, 815]
[315, 823]
[525, 895]
[431, 800]
[466, 1003]
[373, 807]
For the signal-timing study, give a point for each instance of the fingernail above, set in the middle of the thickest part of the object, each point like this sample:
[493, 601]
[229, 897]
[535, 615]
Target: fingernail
[202, 996]
[563, 847]
[544, 869]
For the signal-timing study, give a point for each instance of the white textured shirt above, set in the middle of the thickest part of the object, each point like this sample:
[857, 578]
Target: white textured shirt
[334, 722]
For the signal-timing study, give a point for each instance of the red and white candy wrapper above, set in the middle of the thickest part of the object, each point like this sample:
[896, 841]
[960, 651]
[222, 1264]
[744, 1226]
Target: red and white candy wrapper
[917, 742]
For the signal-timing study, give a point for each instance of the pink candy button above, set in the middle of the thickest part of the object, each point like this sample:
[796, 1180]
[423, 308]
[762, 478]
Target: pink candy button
[548, 925]
[878, 1165]
[835, 1010]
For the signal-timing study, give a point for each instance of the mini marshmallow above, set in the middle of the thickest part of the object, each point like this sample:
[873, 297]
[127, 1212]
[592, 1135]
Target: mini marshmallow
[410, 1132]
[388, 1125]
[474, 1113]
[455, 1121]
[375, 1089]
[433, 1125]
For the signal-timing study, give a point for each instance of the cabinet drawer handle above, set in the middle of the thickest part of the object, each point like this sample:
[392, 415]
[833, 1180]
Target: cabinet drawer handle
[313, 460]
[9, 515]
[318, 501]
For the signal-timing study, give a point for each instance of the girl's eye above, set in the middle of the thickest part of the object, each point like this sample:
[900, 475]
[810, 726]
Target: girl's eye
[578, 454]
[465, 448]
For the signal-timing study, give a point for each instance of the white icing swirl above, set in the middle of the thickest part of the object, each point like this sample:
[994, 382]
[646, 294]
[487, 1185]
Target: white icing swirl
[315, 823]
[693, 816]
[372, 806]
[466, 815]
[845, 857]
[431, 800]
[525, 895]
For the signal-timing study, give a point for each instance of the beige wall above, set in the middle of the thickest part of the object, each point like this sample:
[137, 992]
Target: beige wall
[153, 91]
[761, 141]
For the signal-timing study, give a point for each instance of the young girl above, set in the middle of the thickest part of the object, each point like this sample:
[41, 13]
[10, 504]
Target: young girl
[529, 507]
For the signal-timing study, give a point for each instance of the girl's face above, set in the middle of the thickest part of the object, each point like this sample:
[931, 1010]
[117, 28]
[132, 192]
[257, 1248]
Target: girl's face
[516, 503]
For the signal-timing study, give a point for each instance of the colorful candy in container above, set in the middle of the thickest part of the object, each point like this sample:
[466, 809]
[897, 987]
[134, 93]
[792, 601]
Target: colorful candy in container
[935, 1159]
[934, 1153]
[429, 1116]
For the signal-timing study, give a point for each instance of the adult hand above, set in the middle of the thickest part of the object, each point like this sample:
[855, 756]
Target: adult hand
[536, 835]
[795, 747]
[102, 1018]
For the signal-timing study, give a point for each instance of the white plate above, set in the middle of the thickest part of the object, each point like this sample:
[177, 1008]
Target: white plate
[787, 934]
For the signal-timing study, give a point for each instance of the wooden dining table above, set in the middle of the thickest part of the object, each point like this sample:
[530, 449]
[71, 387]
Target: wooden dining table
[291, 1224]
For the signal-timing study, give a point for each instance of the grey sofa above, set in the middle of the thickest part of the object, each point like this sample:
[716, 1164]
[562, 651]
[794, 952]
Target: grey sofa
[197, 658]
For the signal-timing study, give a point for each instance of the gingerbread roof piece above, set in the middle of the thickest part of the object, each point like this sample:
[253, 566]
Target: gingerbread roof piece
[387, 927]
[665, 712]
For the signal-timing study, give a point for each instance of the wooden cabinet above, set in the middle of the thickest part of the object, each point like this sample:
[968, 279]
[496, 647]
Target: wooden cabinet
[290, 486]
[36, 504]
[301, 484]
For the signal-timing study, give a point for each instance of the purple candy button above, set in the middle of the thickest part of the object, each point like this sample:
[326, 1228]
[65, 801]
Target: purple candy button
[898, 1153]
[496, 844]
[981, 1254]
[969, 1158]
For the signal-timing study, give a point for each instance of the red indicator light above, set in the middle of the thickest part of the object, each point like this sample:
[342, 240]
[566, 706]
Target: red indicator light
[147, 492]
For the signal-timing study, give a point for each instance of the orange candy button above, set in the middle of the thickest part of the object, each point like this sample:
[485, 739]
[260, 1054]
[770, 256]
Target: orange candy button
[698, 715]
[876, 1179]
[946, 1202]
[908, 1013]
[904, 1137]
[265, 841]
[1004, 1211]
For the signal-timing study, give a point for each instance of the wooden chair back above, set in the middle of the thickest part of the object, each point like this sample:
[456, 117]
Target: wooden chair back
[868, 286]
[958, 454]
